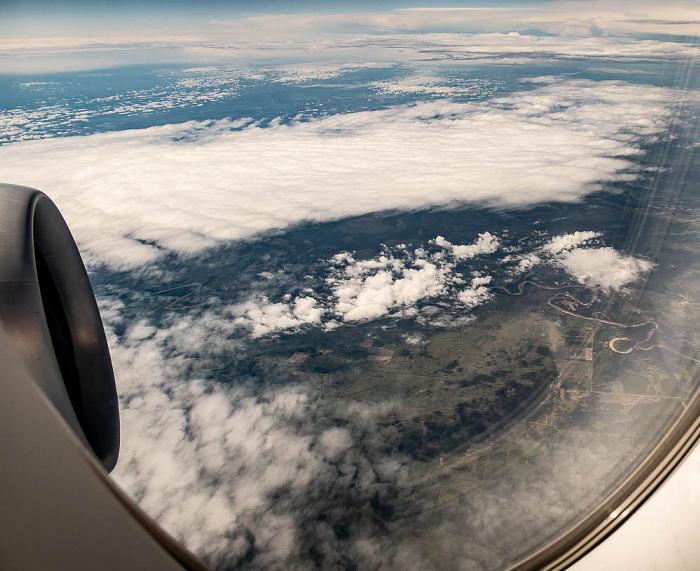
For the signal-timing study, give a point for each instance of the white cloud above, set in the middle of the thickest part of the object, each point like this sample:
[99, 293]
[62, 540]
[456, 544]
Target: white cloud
[433, 85]
[129, 196]
[238, 472]
[589, 29]
[264, 317]
[416, 84]
[312, 72]
[580, 254]
[603, 267]
[568, 241]
[414, 339]
[176, 90]
[375, 295]
[527, 262]
[258, 473]
[486, 243]
[528, 48]
[477, 293]
[391, 283]
[334, 442]
[387, 284]
[587, 263]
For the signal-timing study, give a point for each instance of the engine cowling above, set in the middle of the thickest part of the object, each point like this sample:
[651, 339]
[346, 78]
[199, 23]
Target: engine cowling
[48, 308]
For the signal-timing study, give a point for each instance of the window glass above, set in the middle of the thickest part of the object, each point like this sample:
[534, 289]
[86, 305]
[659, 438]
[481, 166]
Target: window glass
[385, 286]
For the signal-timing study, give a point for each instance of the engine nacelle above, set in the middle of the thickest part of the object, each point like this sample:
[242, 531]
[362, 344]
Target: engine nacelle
[48, 308]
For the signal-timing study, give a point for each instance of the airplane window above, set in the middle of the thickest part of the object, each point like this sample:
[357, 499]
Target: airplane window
[397, 285]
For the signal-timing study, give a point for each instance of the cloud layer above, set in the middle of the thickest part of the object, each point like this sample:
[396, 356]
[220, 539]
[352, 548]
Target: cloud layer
[546, 30]
[129, 196]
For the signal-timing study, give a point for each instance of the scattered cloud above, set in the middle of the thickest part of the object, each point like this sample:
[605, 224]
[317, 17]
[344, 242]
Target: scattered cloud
[242, 473]
[436, 85]
[312, 72]
[478, 292]
[393, 283]
[264, 317]
[372, 293]
[486, 243]
[526, 262]
[567, 242]
[175, 90]
[407, 282]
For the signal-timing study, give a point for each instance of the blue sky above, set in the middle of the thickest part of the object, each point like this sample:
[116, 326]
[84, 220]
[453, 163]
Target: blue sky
[25, 18]
[236, 7]
[82, 18]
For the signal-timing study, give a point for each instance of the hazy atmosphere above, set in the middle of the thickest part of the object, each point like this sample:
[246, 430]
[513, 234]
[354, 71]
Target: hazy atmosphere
[388, 285]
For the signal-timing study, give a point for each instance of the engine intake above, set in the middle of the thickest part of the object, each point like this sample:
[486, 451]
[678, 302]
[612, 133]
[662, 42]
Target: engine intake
[48, 307]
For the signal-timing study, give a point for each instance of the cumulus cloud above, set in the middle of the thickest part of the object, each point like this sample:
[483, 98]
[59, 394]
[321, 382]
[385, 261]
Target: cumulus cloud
[579, 255]
[478, 292]
[374, 295]
[434, 283]
[486, 243]
[568, 241]
[526, 262]
[603, 267]
[129, 196]
[368, 289]
[393, 283]
[264, 317]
